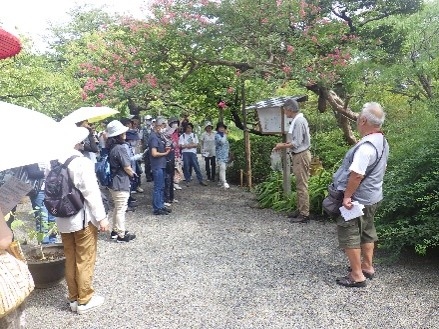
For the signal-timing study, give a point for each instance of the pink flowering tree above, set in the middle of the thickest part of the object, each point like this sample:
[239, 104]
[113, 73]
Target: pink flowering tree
[195, 53]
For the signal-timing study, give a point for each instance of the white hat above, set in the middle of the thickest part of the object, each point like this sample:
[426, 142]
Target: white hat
[148, 117]
[115, 128]
[207, 124]
[73, 134]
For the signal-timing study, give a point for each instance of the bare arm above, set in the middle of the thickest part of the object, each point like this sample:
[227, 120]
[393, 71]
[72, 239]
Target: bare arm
[281, 146]
[130, 172]
[157, 154]
[353, 183]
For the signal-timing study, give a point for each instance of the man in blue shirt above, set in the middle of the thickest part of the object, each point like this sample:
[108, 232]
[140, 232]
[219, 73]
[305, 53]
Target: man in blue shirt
[158, 153]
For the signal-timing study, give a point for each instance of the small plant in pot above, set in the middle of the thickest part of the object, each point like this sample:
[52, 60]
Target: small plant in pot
[46, 262]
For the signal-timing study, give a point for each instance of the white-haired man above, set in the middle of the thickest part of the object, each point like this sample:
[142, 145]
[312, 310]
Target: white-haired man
[360, 176]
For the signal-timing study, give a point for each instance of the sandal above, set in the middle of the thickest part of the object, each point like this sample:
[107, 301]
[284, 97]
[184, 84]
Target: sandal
[367, 275]
[346, 281]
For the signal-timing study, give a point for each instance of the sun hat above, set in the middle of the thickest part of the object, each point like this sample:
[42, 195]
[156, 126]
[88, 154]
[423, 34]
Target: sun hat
[115, 128]
[148, 117]
[74, 134]
[208, 124]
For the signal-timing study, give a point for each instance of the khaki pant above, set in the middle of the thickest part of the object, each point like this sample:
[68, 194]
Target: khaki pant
[120, 201]
[80, 249]
[301, 163]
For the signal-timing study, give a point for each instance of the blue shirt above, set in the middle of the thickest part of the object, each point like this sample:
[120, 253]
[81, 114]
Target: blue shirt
[157, 142]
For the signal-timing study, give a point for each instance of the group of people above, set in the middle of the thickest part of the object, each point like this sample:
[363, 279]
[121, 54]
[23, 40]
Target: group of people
[126, 145]
[359, 178]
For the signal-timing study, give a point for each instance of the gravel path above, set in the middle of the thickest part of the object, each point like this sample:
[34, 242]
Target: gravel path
[219, 262]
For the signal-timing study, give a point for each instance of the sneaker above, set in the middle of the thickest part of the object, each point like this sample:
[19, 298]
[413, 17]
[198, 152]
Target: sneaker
[127, 237]
[167, 204]
[74, 306]
[130, 209]
[93, 303]
[168, 210]
[139, 189]
[175, 201]
[203, 183]
[131, 199]
[226, 185]
[177, 187]
[160, 212]
[114, 234]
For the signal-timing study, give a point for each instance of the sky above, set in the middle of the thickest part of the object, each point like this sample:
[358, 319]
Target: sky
[31, 17]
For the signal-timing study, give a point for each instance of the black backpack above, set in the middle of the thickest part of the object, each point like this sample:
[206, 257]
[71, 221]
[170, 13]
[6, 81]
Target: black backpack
[62, 198]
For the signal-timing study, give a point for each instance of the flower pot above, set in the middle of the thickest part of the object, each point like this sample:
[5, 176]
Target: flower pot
[50, 271]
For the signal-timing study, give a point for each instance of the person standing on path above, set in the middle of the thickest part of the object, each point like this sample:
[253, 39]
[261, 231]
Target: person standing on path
[158, 154]
[222, 152]
[188, 144]
[207, 140]
[121, 171]
[360, 176]
[79, 232]
[300, 158]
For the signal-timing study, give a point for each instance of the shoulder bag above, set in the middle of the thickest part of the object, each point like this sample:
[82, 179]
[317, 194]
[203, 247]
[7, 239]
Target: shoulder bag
[16, 282]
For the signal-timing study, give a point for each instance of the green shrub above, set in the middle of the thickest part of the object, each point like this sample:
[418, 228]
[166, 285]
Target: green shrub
[261, 147]
[270, 192]
[408, 214]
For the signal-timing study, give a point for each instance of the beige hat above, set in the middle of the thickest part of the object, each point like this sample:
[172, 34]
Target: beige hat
[115, 128]
[207, 124]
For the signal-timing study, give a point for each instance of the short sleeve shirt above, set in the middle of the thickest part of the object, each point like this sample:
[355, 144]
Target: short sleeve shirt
[364, 156]
[157, 142]
[119, 159]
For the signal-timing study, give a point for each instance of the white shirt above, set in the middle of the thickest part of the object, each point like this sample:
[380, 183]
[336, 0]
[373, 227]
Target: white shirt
[364, 156]
[188, 139]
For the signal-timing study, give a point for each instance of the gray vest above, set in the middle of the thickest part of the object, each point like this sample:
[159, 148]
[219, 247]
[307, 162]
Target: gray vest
[370, 190]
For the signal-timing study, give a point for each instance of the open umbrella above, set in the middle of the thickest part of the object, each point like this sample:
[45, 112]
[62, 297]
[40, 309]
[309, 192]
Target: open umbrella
[9, 45]
[92, 114]
[29, 136]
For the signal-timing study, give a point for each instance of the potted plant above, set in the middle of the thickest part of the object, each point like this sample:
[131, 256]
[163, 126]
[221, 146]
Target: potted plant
[46, 262]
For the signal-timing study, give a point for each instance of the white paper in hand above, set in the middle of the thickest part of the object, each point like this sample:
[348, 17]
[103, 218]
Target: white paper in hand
[354, 212]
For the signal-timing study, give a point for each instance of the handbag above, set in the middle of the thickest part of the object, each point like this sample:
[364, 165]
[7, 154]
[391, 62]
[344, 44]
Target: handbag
[16, 282]
[333, 201]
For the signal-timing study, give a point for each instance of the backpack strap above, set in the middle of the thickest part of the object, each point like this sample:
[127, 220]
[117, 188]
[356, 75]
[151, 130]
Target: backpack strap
[66, 165]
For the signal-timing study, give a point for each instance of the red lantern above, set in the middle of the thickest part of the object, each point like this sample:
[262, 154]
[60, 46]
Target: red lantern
[9, 44]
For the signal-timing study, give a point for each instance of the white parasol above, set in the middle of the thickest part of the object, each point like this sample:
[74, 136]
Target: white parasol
[29, 136]
[92, 114]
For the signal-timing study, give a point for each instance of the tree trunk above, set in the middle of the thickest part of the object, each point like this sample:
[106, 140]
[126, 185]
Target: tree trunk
[343, 113]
